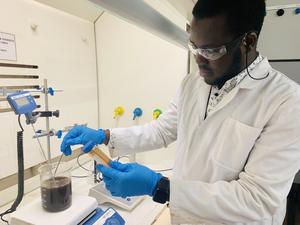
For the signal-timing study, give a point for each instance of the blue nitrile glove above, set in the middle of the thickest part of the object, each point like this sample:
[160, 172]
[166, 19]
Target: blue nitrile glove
[130, 179]
[81, 135]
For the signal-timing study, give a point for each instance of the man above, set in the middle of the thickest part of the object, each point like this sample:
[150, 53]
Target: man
[236, 122]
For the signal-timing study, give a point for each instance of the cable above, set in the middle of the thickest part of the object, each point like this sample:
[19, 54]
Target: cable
[163, 170]
[20, 173]
[19, 121]
[207, 103]
[97, 179]
[3, 214]
[95, 172]
[74, 176]
[80, 165]
[124, 156]
[254, 78]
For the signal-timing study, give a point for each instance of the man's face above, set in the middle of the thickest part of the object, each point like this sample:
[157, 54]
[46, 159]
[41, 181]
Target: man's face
[211, 33]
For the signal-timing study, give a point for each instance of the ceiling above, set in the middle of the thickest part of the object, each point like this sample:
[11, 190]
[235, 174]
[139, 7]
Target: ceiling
[86, 10]
[81, 8]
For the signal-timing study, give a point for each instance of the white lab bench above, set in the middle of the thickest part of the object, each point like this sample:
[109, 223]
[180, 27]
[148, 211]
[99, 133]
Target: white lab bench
[146, 213]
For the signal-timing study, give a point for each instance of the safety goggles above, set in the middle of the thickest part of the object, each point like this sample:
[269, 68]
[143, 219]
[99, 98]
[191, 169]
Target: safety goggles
[214, 53]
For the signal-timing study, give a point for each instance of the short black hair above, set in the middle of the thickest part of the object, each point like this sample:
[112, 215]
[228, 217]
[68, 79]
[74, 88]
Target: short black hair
[243, 15]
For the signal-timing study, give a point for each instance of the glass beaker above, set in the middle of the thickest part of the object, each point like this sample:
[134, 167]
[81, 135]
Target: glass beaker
[56, 189]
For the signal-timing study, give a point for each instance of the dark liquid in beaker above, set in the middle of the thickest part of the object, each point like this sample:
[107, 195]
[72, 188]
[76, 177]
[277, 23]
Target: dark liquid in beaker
[56, 194]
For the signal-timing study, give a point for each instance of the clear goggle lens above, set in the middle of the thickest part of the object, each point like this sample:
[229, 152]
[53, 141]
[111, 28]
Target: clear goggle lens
[208, 53]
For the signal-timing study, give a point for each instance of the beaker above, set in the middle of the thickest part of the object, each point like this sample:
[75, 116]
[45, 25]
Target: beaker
[56, 188]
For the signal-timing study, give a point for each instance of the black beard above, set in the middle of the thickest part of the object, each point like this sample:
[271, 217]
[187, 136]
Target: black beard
[234, 69]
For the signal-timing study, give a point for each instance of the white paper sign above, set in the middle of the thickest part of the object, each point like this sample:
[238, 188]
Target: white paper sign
[7, 47]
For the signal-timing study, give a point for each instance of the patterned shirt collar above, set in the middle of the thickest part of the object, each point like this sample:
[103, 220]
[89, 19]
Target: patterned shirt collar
[217, 94]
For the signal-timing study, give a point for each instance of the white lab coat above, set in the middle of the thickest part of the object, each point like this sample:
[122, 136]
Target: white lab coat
[237, 165]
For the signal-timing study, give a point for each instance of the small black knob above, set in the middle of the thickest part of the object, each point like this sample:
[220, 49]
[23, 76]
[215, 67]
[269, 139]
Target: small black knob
[280, 12]
[56, 113]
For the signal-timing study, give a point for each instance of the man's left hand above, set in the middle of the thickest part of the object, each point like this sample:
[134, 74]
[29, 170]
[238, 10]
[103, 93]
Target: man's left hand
[130, 179]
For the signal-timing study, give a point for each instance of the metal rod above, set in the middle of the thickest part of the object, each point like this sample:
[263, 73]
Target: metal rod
[5, 99]
[8, 76]
[43, 153]
[38, 135]
[21, 87]
[58, 164]
[55, 90]
[54, 132]
[47, 118]
[40, 145]
[10, 110]
[19, 65]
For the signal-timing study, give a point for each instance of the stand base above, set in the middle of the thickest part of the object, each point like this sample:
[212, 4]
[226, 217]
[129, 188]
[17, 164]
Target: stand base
[82, 208]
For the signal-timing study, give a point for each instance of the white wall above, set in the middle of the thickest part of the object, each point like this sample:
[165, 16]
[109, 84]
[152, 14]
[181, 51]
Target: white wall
[136, 68]
[63, 58]
[280, 35]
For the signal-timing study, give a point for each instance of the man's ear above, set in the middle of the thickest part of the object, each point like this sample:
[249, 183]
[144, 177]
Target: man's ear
[250, 41]
[188, 28]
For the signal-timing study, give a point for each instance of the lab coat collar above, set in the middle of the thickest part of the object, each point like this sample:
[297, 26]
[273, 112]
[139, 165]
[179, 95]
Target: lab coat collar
[260, 71]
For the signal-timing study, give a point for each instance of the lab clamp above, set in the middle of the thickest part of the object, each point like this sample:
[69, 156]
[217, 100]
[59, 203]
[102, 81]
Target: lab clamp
[17, 101]
[21, 99]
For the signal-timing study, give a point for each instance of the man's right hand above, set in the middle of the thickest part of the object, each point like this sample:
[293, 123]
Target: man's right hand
[81, 135]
